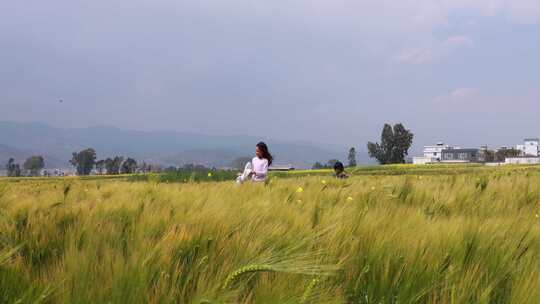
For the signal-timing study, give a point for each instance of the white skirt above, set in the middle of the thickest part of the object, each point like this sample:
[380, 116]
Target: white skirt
[245, 175]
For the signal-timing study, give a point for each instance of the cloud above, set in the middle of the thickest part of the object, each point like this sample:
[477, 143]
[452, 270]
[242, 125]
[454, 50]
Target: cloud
[456, 42]
[458, 96]
[434, 52]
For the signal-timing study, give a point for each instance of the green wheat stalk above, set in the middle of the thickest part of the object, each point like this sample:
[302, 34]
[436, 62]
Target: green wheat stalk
[253, 268]
[309, 290]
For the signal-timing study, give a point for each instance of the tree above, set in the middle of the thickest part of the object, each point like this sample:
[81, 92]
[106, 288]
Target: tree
[13, 169]
[502, 154]
[100, 166]
[394, 145]
[113, 165]
[10, 166]
[240, 162]
[352, 157]
[328, 165]
[317, 166]
[402, 142]
[488, 156]
[156, 168]
[143, 168]
[129, 166]
[108, 163]
[33, 165]
[17, 171]
[499, 155]
[171, 169]
[84, 161]
[382, 152]
[331, 163]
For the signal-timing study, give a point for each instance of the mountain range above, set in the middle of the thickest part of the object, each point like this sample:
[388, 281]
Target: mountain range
[168, 148]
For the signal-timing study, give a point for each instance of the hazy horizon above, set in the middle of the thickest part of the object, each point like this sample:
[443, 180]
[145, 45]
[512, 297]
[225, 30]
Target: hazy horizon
[259, 137]
[464, 72]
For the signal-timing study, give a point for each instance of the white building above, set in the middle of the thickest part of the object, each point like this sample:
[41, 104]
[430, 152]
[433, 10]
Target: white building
[435, 151]
[431, 154]
[278, 167]
[421, 160]
[530, 147]
[529, 160]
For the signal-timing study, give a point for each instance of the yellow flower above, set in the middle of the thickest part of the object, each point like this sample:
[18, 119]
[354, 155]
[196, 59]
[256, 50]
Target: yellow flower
[372, 188]
[209, 174]
[299, 190]
[323, 182]
[299, 201]
[537, 215]
[350, 199]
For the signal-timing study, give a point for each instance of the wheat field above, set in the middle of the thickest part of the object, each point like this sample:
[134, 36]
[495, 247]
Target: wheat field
[469, 237]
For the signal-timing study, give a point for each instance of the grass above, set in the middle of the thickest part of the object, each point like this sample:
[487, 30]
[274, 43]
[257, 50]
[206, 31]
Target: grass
[186, 176]
[423, 236]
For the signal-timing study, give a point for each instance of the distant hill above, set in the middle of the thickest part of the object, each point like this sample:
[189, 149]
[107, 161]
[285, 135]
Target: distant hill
[7, 152]
[19, 140]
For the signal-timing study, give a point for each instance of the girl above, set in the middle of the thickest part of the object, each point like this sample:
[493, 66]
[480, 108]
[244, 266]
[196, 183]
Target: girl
[257, 169]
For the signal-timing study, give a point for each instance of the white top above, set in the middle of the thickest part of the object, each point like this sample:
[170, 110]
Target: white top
[260, 168]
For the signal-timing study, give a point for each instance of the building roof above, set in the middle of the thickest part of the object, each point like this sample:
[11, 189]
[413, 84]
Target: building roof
[281, 167]
[531, 139]
[460, 150]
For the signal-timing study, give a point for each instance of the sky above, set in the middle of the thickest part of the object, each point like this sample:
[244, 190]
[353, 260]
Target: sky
[466, 72]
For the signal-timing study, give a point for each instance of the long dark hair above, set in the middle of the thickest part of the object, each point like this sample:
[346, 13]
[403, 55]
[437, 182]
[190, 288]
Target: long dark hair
[264, 149]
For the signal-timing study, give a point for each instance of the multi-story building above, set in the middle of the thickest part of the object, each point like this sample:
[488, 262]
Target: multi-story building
[442, 153]
[431, 154]
[436, 150]
[461, 155]
[530, 147]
